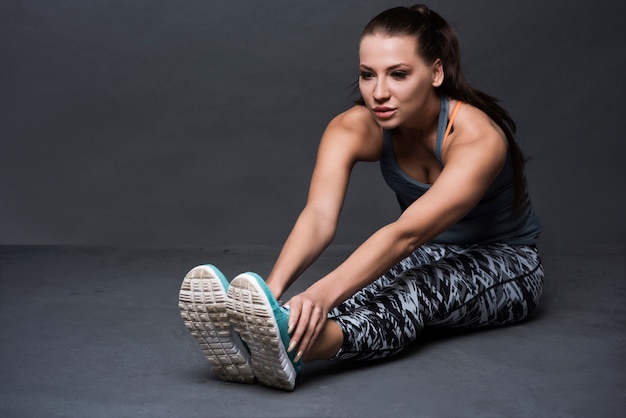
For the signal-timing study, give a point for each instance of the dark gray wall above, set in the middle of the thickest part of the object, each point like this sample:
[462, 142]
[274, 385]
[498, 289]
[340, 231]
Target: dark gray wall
[195, 122]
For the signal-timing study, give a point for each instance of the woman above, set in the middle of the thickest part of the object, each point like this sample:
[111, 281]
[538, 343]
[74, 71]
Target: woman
[461, 254]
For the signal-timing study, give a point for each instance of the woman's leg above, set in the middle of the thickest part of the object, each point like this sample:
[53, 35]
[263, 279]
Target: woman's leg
[331, 337]
[473, 286]
[426, 254]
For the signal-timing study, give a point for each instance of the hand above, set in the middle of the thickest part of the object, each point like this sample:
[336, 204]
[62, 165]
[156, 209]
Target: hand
[307, 317]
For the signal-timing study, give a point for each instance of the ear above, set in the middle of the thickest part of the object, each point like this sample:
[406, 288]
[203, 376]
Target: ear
[437, 73]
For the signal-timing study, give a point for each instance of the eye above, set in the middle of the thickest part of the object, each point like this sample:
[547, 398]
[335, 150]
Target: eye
[366, 75]
[399, 75]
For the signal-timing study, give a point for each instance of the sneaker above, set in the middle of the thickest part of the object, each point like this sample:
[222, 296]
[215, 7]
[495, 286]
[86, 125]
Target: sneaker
[262, 323]
[202, 303]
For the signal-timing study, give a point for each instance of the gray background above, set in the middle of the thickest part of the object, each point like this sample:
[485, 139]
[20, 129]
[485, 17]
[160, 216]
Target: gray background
[196, 122]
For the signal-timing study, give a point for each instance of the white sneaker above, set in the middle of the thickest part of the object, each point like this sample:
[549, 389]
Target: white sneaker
[262, 323]
[202, 302]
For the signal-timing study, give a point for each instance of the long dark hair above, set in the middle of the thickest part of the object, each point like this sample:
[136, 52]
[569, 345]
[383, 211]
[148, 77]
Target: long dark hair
[436, 39]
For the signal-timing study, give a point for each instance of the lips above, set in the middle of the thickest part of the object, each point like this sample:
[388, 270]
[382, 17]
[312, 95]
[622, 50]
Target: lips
[383, 112]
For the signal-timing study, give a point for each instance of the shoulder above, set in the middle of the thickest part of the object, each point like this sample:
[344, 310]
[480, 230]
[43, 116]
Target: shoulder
[473, 128]
[356, 121]
[356, 131]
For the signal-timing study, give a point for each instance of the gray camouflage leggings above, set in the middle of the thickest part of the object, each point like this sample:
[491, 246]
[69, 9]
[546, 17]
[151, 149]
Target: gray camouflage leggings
[440, 285]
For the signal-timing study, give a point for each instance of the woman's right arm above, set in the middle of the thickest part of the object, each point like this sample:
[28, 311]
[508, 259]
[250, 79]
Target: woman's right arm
[350, 137]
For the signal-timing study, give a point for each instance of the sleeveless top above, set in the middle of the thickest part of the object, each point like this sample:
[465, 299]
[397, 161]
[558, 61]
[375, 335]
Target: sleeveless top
[492, 220]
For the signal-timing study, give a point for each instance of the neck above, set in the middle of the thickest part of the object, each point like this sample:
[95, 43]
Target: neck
[425, 123]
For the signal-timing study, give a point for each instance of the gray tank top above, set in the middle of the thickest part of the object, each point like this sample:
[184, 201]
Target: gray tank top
[492, 220]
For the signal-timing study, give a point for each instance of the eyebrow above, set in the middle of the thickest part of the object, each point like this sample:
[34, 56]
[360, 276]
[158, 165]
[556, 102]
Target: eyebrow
[391, 68]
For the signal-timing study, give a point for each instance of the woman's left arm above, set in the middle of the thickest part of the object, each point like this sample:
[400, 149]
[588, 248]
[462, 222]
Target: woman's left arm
[471, 165]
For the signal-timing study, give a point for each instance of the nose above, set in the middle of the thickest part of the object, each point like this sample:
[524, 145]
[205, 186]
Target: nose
[381, 92]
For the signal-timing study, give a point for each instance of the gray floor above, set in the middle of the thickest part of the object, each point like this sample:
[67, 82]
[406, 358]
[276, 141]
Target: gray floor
[95, 331]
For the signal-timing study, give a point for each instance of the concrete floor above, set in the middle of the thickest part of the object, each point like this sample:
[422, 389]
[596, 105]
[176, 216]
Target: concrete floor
[96, 332]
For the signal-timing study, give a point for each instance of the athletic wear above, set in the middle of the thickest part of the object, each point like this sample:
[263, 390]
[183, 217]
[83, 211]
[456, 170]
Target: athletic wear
[483, 271]
[440, 285]
[493, 220]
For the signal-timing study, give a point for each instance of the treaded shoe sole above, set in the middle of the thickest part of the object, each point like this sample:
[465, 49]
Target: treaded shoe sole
[202, 303]
[251, 315]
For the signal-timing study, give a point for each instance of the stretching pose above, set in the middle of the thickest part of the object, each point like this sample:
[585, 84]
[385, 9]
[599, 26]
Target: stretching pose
[461, 254]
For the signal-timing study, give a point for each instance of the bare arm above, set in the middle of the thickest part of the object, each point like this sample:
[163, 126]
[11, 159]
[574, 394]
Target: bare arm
[350, 137]
[471, 164]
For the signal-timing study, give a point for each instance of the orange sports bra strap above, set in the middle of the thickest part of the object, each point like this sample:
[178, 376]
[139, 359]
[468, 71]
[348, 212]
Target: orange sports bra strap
[450, 122]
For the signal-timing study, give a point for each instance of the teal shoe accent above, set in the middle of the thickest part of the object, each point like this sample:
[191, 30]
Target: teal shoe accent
[281, 314]
[202, 302]
[262, 323]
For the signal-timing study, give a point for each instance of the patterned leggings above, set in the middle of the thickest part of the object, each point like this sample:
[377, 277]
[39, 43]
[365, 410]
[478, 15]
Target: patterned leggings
[440, 285]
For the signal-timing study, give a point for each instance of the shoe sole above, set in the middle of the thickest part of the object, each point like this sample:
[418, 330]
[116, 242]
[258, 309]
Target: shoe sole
[252, 317]
[202, 303]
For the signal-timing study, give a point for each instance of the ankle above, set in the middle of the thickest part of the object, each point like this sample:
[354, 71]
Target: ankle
[328, 343]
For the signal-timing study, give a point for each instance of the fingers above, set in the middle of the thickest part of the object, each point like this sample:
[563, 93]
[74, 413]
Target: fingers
[295, 306]
[306, 320]
[312, 330]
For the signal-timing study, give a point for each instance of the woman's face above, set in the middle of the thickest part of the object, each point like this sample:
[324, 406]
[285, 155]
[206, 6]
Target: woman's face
[395, 82]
